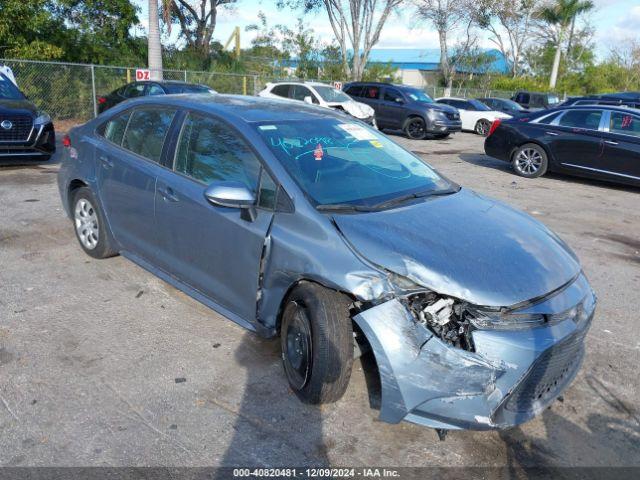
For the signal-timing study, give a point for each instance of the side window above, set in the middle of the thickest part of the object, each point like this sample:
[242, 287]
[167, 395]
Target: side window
[155, 90]
[588, 119]
[114, 128]
[392, 95]
[281, 90]
[354, 91]
[625, 124]
[268, 191]
[298, 92]
[522, 98]
[371, 92]
[147, 130]
[537, 101]
[460, 104]
[134, 90]
[548, 120]
[209, 151]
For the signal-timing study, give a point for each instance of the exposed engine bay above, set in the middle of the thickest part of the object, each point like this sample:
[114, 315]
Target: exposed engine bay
[443, 316]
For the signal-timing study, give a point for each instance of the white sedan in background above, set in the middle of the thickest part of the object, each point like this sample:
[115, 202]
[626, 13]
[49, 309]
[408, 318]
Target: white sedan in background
[321, 94]
[475, 115]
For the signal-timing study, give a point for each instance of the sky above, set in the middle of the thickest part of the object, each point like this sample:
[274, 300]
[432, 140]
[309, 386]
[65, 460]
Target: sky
[615, 21]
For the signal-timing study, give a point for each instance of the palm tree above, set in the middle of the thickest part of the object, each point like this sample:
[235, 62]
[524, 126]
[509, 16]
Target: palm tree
[154, 44]
[562, 14]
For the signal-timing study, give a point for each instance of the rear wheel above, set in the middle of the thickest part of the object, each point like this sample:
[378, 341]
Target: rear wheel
[316, 339]
[530, 161]
[415, 128]
[90, 226]
[482, 127]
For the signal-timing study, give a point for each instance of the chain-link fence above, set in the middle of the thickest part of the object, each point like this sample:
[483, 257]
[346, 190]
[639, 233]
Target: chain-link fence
[69, 92]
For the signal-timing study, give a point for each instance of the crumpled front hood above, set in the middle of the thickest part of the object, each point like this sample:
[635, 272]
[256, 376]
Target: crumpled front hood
[357, 109]
[464, 245]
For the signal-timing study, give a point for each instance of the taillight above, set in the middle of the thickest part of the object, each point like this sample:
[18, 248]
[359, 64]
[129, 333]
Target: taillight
[66, 141]
[494, 125]
[102, 100]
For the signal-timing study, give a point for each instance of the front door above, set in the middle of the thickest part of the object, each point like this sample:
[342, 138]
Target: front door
[128, 167]
[215, 250]
[622, 145]
[391, 108]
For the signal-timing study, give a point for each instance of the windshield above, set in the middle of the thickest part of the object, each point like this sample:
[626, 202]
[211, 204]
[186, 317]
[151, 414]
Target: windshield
[479, 106]
[8, 91]
[512, 105]
[330, 94]
[339, 162]
[418, 95]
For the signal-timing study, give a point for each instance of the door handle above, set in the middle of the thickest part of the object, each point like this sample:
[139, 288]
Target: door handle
[106, 162]
[610, 142]
[168, 194]
[553, 134]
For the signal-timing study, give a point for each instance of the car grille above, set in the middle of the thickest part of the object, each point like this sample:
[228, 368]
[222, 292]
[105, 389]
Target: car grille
[549, 375]
[20, 128]
[453, 116]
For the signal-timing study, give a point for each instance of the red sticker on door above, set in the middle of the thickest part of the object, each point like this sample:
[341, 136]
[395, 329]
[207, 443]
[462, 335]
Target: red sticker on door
[318, 153]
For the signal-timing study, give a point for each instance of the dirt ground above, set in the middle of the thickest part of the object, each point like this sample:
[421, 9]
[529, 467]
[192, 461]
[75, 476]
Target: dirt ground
[102, 363]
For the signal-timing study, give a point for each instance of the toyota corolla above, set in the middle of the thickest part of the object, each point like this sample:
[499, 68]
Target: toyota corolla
[294, 221]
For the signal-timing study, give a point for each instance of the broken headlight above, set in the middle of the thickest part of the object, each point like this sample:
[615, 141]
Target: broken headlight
[497, 320]
[444, 316]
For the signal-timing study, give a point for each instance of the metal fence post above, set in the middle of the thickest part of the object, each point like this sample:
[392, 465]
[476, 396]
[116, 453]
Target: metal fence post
[185, 76]
[93, 89]
[244, 85]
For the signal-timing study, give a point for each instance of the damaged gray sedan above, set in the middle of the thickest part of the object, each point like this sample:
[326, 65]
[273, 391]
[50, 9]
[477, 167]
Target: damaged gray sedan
[295, 221]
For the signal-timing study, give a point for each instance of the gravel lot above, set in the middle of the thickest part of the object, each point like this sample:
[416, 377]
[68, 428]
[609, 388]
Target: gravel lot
[102, 363]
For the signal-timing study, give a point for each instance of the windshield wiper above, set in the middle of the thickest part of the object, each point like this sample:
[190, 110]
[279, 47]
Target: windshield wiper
[342, 207]
[411, 196]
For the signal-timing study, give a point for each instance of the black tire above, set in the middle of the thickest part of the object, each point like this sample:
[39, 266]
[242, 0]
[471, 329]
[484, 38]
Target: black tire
[482, 127]
[97, 245]
[530, 161]
[415, 128]
[316, 339]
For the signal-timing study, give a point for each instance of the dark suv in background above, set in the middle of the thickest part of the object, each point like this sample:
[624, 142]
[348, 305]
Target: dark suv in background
[25, 132]
[399, 107]
[536, 100]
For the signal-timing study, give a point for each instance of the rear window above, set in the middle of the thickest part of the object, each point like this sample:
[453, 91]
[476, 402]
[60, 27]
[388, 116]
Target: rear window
[114, 128]
[147, 130]
[587, 119]
[281, 90]
[372, 92]
[354, 90]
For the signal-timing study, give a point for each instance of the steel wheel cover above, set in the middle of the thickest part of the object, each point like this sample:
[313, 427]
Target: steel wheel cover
[297, 355]
[86, 222]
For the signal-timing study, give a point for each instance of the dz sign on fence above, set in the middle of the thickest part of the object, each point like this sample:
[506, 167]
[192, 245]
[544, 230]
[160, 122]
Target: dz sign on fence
[143, 74]
[337, 85]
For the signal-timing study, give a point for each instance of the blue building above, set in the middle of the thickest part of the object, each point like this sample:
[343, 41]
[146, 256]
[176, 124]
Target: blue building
[421, 66]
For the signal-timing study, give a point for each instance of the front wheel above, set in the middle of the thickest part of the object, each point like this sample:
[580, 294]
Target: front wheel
[316, 340]
[530, 161]
[483, 127]
[415, 128]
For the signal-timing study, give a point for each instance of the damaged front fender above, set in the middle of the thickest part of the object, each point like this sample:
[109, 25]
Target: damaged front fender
[416, 367]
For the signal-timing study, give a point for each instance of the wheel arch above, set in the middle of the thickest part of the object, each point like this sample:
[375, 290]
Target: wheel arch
[74, 185]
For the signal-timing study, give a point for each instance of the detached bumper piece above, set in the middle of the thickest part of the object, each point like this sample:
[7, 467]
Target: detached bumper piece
[510, 377]
[26, 140]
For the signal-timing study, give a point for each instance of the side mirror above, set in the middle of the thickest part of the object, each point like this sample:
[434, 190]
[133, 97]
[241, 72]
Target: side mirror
[230, 194]
[308, 100]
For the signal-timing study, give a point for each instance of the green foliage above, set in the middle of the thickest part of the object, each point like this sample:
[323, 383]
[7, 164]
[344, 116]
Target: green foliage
[380, 72]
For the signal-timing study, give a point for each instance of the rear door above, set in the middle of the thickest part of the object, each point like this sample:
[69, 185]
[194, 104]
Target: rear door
[371, 96]
[128, 165]
[392, 108]
[215, 250]
[576, 142]
[622, 145]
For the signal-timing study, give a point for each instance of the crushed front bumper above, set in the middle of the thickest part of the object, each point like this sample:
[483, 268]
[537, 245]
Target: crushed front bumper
[510, 378]
[39, 143]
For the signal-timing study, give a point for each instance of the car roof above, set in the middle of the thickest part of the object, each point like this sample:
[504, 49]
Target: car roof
[618, 108]
[241, 107]
[455, 98]
[294, 82]
[381, 84]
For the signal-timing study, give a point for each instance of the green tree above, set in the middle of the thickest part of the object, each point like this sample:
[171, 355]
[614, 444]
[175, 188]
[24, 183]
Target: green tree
[562, 14]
